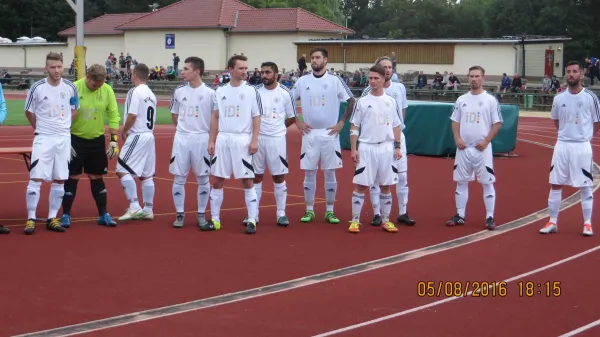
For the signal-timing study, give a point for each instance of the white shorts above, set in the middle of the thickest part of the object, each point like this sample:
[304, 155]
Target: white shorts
[272, 153]
[470, 163]
[572, 164]
[232, 157]
[50, 156]
[319, 145]
[402, 164]
[138, 155]
[376, 166]
[190, 151]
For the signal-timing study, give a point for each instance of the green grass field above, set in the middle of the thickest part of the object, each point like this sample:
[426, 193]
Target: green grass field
[16, 115]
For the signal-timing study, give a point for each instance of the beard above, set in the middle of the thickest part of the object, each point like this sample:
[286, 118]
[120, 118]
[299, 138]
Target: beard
[317, 67]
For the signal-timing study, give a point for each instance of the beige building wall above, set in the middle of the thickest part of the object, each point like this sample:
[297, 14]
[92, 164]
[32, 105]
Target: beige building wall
[98, 47]
[535, 59]
[31, 56]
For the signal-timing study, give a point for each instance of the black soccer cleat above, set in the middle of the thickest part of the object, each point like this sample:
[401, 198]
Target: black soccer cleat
[377, 221]
[405, 219]
[4, 230]
[456, 220]
[490, 224]
[210, 226]
[250, 228]
[54, 225]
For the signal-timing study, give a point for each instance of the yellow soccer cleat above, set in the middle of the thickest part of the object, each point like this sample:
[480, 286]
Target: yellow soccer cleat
[354, 227]
[389, 227]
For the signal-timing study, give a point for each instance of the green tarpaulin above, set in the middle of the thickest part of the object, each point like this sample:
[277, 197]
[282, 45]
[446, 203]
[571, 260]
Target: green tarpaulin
[429, 129]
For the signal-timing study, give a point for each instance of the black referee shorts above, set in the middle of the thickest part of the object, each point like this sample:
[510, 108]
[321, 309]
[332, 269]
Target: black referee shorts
[91, 156]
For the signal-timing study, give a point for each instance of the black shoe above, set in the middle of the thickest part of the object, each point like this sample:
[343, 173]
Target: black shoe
[283, 221]
[405, 219]
[490, 224]
[250, 228]
[455, 221]
[376, 220]
[210, 226]
[54, 225]
[4, 230]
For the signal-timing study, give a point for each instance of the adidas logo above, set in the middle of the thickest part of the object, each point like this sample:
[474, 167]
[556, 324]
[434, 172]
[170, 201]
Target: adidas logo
[331, 190]
[203, 193]
[31, 193]
[306, 188]
[369, 107]
[81, 98]
[307, 88]
[464, 104]
[177, 193]
[564, 106]
[253, 200]
[224, 98]
[45, 98]
[356, 202]
[184, 99]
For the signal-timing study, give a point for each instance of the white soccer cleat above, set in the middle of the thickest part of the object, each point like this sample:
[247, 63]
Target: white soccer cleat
[132, 215]
[147, 215]
[587, 230]
[549, 228]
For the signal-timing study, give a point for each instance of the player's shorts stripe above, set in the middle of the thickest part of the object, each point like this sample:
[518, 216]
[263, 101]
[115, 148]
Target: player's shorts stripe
[33, 164]
[32, 92]
[359, 171]
[587, 174]
[284, 161]
[490, 170]
[248, 165]
[131, 147]
[207, 161]
[394, 169]
[595, 100]
[172, 160]
[339, 154]
[125, 166]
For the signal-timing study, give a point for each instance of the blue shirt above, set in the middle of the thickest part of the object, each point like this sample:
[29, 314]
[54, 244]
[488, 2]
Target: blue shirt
[3, 111]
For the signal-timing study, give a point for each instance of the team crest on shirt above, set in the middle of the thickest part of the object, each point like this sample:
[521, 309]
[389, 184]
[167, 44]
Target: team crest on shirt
[276, 100]
[200, 98]
[395, 95]
[99, 97]
[242, 96]
[579, 104]
[387, 104]
[480, 103]
[62, 95]
[325, 86]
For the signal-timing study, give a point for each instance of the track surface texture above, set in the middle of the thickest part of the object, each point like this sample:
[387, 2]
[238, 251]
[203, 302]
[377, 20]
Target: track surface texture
[65, 282]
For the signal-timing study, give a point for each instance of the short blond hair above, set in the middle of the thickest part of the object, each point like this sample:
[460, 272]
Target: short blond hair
[97, 72]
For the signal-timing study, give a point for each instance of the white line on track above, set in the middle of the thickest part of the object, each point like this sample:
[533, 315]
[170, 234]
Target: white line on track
[581, 329]
[543, 136]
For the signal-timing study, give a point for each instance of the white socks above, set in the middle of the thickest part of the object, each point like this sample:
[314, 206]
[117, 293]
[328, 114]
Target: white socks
[57, 191]
[554, 201]
[357, 202]
[130, 192]
[148, 194]
[330, 189]
[32, 198]
[461, 197]
[216, 200]
[310, 187]
[489, 199]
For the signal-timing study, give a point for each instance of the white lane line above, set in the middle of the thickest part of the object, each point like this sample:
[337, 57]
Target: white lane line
[582, 329]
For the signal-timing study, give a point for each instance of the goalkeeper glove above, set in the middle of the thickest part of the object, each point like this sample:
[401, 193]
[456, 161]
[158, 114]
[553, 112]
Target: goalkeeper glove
[113, 147]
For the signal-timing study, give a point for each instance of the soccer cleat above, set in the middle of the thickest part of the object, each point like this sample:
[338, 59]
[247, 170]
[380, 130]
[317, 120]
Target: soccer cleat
[490, 224]
[245, 221]
[178, 223]
[132, 215]
[331, 218]
[4, 230]
[283, 221]
[456, 220]
[201, 219]
[550, 227]
[388, 226]
[587, 230]
[376, 220]
[147, 215]
[405, 219]
[308, 216]
[211, 226]
[30, 226]
[54, 225]
[354, 226]
[65, 221]
[250, 227]
[106, 220]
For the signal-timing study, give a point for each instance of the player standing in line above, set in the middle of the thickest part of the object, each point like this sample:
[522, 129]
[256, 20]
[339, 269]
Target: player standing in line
[3, 113]
[234, 131]
[576, 115]
[50, 106]
[378, 117]
[191, 108]
[279, 112]
[398, 92]
[321, 94]
[138, 155]
[476, 120]
[96, 99]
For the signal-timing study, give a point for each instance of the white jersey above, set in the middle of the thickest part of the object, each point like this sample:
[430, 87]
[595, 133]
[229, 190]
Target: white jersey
[476, 115]
[321, 97]
[278, 105]
[141, 103]
[377, 116]
[398, 92]
[576, 115]
[193, 107]
[52, 106]
[237, 107]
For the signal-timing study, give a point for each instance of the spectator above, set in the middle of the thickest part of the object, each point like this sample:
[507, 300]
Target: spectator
[592, 66]
[546, 84]
[555, 86]
[453, 82]
[302, 64]
[176, 64]
[421, 80]
[437, 81]
[393, 59]
[505, 83]
[517, 83]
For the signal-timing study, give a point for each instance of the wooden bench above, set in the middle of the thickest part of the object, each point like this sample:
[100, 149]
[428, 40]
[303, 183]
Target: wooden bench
[23, 151]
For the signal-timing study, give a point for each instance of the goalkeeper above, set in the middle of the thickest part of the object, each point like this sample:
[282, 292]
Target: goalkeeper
[88, 147]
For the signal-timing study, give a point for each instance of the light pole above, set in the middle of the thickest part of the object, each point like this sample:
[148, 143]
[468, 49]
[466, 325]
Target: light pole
[79, 46]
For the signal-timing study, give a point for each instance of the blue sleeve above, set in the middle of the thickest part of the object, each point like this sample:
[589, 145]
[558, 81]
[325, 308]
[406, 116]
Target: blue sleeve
[3, 111]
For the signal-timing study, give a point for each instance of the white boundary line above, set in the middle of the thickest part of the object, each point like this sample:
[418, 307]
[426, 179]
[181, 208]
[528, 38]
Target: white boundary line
[427, 306]
[581, 329]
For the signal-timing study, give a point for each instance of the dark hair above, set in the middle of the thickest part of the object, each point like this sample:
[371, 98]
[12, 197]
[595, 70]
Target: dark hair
[233, 60]
[383, 58]
[272, 65]
[319, 49]
[196, 62]
[572, 63]
[54, 56]
[477, 68]
[141, 71]
[378, 69]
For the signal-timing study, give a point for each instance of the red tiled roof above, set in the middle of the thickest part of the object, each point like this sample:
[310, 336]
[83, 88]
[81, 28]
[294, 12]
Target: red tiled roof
[285, 19]
[104, 25]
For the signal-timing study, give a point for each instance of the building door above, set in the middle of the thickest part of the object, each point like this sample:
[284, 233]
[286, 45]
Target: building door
[549, 62]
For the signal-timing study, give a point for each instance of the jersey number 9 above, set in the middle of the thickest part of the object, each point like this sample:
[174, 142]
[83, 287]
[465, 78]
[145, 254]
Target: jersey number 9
[150, 117]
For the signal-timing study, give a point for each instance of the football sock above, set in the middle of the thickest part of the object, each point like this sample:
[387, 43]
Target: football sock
[402, 192]
[203, 193]
[386, 205]
[554, 201]
[130, 192]
[587, 203]
[57, 191]
[357, 202]
[310, 186]
[69, 197]
[179, 193]
[374, 192]
[330, 189]
[281, 198]
[33, 197]
[489, 199]
[99, 193]
[148, 194]
[461, 197]
[216, 200]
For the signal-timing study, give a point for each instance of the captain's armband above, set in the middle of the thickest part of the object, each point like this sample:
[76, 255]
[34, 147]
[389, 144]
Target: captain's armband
[353, 132]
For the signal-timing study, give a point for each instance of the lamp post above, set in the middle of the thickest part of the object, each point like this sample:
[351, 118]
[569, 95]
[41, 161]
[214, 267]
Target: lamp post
[79, 45]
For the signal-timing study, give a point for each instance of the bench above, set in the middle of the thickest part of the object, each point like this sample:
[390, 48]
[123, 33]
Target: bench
[23, 151]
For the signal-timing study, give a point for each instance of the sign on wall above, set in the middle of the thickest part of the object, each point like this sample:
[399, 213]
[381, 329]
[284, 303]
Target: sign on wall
[169, 41]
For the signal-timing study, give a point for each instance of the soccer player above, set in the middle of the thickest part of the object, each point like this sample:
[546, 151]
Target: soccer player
[96, 99]
[279, 112]
[3, 113]
[191, 108]
[138, 155]
[50, 106]
[234, 131]
[378, 117]
[398, 92]
[321, 94]
[476, 120]
[576, 115]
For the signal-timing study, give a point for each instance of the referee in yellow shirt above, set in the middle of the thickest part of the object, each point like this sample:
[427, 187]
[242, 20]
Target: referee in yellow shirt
[89, 152]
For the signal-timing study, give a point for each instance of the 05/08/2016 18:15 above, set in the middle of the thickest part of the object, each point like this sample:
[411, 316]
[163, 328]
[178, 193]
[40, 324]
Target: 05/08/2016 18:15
[487, 289]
